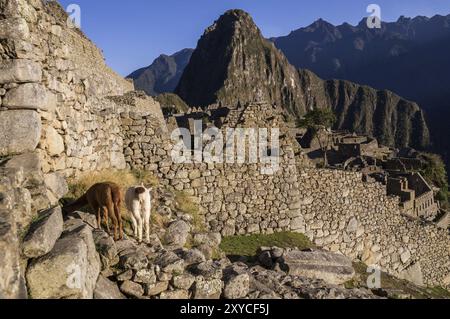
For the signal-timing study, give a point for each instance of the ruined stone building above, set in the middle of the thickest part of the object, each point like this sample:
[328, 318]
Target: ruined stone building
[352, 145]
[416, 195]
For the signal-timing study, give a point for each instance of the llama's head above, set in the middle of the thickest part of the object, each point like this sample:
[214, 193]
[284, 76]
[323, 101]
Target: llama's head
[142, 189]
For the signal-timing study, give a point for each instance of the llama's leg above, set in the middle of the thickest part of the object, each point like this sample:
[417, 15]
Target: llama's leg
[119, 219]
[139, 227]
[135, 229]
[112, 215]
[147, 225]
[106, 219]
[99, 217]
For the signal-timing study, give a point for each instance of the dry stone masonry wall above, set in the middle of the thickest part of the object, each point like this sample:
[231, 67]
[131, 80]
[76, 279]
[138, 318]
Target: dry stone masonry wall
[336, 209]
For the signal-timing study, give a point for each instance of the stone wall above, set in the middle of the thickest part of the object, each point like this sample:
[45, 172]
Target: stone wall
[53, 84]
[344, 214]
[336, 209]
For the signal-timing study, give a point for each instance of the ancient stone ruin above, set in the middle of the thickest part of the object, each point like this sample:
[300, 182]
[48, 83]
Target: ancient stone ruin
[63, 112]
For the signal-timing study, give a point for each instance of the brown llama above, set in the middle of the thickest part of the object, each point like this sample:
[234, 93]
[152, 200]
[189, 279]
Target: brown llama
[104, 199]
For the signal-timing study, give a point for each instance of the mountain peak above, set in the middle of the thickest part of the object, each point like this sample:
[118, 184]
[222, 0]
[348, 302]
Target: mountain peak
[238, 14]
[234, 63]
[233, 20]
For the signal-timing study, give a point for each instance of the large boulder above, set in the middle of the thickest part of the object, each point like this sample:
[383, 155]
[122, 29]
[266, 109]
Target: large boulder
[21, 131]
[207, 288]
[237, 287]
[20, 71]
[170, 263]
[106, 247]
[177, 234]
[70, 270]
[106, 289]
[132, 289]
[32, 96]
[14, 28]
[329, 267]
[43, 234]
[413, 274]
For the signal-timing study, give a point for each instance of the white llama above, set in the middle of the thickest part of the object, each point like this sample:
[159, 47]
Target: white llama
[138, 200]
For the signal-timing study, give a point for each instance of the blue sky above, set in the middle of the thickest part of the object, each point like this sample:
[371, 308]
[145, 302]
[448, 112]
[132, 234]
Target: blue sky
[133, 33]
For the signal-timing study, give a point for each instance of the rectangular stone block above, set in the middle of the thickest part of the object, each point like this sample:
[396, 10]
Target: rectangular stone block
[20, 71]
[15, 28]
[21, 131]
[32, 96]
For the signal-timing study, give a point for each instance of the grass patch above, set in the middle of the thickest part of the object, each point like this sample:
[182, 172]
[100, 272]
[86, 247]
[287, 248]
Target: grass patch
[186, 205]
[247, 246]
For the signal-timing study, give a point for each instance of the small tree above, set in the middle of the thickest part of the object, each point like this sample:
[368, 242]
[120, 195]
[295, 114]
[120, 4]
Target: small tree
[316, 121]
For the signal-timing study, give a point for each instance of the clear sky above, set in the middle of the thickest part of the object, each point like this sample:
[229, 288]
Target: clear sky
[133, 33]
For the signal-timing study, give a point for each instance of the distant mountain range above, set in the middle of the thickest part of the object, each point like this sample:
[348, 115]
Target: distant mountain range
[233, 64]
[163, 74]
[408, 57]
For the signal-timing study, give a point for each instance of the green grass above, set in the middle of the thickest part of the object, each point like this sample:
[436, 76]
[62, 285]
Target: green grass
[187, 206]
[248, 246]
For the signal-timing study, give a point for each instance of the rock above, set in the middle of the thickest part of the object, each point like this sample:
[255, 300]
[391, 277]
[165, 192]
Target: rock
[184, 281]
[19, 71]
[132, 289]
[413, 274]
[170, 263]
[276, 252]
[330, 267]
[14, 28]
[53, 141]
[134, 260]
[207, 289]
[21, 131]
[212, 239]
[208, 269]
[405, 256]
[126, 246]
[175, 295]
[87, 218]
[177, 234]
[237, 287]
[145, 276]
[193, 256]
[352, 226]
[43, 234]
[156, 289]
[31, 96]
[207, 250]
[106, 289]
[126, 275]
[265, 259]
[106, 247]
[57, 184]
[70, 270]
[12, 284]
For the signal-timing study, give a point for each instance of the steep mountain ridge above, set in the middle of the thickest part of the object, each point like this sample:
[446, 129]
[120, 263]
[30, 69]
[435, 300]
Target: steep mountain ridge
[163, 74]
[234, 64]
[408, 57]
